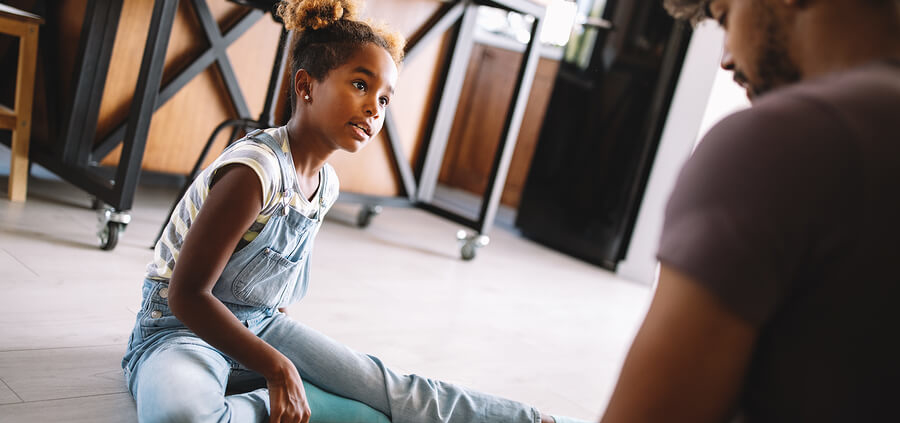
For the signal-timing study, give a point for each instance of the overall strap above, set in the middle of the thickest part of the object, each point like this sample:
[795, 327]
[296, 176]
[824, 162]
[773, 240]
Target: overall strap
[320, 201]
[285, 165]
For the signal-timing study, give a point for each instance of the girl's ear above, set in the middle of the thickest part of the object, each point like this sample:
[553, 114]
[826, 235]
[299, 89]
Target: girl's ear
[303, 82]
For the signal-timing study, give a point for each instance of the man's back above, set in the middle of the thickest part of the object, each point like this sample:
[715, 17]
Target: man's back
[792, 215]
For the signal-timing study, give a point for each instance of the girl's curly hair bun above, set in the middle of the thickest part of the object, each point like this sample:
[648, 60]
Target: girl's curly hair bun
[328, 33]
[302, 15]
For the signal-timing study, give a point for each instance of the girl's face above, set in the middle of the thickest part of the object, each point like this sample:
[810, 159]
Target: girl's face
[348, 106]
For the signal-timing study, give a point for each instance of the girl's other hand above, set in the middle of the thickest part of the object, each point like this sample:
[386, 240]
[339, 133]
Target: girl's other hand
[287, 398]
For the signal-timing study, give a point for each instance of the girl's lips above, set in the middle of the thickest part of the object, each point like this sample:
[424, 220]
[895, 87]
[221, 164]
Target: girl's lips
[362, 127]
[361, 134]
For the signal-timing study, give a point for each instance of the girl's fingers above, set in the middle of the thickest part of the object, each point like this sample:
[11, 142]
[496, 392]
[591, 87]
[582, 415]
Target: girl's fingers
[304, 409]
[301, 415]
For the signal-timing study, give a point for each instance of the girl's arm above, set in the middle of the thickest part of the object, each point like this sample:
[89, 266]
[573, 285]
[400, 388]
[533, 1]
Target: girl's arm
[233, 203]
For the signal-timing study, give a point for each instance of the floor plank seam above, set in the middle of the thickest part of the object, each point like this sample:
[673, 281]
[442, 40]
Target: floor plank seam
[13, 391]
[22, 263]
[64, 348]
[108, 394]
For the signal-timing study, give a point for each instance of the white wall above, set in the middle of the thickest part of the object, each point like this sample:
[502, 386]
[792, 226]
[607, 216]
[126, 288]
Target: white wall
[726, 98]
[705, 93]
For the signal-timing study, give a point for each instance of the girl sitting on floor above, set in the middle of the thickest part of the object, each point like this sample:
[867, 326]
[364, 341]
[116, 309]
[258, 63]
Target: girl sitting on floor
[236, 251]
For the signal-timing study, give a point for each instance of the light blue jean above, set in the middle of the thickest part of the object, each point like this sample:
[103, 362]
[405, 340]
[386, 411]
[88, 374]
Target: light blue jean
[183, 379]
[175, 376]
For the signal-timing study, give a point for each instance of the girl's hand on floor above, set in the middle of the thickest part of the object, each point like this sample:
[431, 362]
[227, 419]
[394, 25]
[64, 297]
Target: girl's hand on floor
[287, 398]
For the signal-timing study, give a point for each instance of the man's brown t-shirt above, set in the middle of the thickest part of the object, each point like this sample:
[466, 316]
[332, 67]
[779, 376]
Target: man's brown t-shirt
[789, 213]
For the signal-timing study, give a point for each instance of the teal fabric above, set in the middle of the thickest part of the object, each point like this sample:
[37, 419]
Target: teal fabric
[329, 408]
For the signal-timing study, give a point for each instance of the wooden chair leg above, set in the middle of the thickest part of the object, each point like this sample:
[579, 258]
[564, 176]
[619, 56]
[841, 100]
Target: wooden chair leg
[21, 135]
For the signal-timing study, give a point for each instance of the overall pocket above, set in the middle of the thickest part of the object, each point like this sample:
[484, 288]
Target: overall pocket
[263, 281]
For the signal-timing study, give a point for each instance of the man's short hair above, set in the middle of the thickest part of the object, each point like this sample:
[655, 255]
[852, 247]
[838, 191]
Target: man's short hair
[692, 10]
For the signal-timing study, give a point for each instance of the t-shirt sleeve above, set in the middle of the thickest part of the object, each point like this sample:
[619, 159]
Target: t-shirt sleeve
[261, 160]
[754, 203]
[332, 188]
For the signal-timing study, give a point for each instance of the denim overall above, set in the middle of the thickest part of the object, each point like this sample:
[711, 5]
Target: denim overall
[269, 272]
[174, 375]
[272, 270]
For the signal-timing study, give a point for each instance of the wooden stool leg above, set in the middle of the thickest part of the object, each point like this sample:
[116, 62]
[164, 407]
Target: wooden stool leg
[18, 171]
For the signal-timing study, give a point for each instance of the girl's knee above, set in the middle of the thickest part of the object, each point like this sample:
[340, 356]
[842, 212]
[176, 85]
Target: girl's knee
[180, 400]
[181, 383]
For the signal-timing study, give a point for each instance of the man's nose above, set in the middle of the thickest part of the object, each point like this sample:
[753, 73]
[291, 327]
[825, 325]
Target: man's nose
[727, 60]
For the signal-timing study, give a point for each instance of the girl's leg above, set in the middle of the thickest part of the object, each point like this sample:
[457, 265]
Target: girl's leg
[325, 406]
[183, 380]
[404, 398]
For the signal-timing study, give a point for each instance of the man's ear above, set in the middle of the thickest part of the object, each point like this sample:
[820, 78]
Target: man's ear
[303, 83]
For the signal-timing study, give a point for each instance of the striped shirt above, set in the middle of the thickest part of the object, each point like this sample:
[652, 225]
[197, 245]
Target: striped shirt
[262, 160]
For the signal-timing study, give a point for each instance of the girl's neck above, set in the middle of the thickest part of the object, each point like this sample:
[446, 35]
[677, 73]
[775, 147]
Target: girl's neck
[308, 155]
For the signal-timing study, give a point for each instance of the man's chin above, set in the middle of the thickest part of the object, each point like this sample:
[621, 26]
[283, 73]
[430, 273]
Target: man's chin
[754, 92]
[749, 89]
[751, 93]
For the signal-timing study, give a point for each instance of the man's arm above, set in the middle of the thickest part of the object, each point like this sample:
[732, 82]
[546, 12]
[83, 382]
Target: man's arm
[688, 360]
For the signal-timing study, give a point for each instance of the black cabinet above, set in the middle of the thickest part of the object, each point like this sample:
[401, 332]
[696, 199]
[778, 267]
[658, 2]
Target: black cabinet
[601, 129]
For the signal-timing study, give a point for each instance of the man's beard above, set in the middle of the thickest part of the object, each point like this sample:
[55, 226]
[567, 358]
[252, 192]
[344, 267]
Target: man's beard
[774, 67]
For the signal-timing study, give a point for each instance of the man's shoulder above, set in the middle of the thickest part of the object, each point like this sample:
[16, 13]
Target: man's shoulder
[834, 110]
[829, 107]
[782, 122]
[868, 82]
[860, 93]
[790, 135]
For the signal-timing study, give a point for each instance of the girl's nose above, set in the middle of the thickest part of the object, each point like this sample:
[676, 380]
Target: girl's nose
[370, 107]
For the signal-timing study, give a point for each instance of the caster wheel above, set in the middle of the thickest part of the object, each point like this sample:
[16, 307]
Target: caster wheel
[109, 235]
[470, 244]
[365, 215]
[110, 225]
[467, 252]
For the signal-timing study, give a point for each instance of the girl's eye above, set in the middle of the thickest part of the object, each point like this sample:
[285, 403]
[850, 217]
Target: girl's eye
[359, 85]
[384, 101]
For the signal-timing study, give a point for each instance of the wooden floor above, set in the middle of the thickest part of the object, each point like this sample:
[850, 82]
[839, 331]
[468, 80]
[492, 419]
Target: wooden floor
[520, 321]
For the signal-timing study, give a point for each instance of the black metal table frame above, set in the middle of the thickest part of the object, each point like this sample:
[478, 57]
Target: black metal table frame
[77, 159]
[76, 162]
